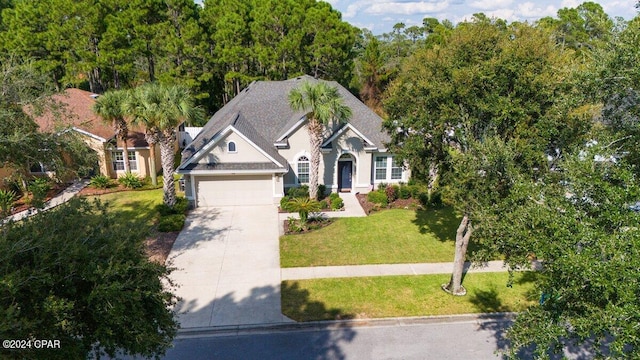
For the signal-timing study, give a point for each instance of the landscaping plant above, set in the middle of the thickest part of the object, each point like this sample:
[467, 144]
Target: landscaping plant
[130, 181]
[304, 206]
[38, 189]
[100, 182]
[6, 200]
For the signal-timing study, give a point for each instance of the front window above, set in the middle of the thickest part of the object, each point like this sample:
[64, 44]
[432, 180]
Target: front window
[303, 170]
[396, 169]
[381, 167]
[117, 158]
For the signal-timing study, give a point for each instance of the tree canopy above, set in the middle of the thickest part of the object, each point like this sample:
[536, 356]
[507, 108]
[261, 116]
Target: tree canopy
[79, 275]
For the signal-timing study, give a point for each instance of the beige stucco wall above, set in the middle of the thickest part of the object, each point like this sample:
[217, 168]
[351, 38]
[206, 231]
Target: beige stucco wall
[348, 142]
[143, 156]
[245, 152]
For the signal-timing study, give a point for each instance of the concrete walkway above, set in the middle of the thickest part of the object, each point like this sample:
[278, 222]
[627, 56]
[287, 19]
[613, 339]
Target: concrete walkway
[351, 208]
[320, 272]
[63, 197]
[228, 267]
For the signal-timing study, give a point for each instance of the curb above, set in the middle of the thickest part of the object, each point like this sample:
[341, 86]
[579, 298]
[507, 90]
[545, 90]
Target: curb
[234, 330]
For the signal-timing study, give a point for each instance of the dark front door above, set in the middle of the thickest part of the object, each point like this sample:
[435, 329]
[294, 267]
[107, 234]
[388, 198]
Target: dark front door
[344, 175]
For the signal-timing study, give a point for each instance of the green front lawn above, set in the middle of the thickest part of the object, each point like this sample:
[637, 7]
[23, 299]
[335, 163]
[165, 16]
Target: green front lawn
[399, 296]
[388, 237]
[134, 205]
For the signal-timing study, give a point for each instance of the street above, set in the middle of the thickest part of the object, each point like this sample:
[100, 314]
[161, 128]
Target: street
[472, 339]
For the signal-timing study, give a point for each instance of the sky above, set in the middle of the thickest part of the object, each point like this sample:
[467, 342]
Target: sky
[379, 16]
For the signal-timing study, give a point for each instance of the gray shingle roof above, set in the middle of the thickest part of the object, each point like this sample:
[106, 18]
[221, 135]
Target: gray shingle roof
[233, 166]
[261, 112]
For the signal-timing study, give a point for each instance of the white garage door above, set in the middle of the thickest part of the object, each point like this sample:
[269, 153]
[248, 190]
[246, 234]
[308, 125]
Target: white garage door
[234, 190]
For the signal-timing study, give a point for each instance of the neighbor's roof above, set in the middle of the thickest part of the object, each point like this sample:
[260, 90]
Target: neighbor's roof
[262, 113]
[77, 112]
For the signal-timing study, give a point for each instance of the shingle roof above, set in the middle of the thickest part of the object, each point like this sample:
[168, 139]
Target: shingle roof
[77, 112]
[233, 166]
[262, 113]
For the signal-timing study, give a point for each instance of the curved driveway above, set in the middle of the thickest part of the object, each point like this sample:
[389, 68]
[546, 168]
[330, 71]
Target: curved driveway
[228, 267]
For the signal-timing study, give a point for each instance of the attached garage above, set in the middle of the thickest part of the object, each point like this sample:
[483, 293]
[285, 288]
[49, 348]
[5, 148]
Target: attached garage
[234, 190]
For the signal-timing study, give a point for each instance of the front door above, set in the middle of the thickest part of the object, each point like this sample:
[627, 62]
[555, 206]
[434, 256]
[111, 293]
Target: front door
[344, 175]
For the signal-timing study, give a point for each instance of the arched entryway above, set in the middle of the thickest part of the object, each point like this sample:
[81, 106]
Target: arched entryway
[346, 171]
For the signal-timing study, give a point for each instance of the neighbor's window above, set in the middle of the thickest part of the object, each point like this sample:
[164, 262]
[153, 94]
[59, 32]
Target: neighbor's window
[303, 170]
[381, 167]
[117, 159]
[231, 147]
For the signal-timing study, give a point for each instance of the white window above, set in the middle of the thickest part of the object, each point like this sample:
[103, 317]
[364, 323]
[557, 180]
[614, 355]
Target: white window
[117, 159]
[381, 167]
[387, 168]
[303, 170]
[396, 170]
[231, 147]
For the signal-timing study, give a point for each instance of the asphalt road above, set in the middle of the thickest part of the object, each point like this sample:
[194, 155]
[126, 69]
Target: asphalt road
[472, 339]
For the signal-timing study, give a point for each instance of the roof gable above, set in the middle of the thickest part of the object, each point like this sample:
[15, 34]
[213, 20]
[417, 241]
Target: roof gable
[262, 113]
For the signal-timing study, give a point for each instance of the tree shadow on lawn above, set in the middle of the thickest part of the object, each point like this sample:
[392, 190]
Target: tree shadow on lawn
[297, 306]
[324, 342]
[443, 223]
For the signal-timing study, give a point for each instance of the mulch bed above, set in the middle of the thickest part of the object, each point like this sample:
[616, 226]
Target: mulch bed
[89, 191]
[370, 207]
[158, 246]
[21, 205]
[312, 224]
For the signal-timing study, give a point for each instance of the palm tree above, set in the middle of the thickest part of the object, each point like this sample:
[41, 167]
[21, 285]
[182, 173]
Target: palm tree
[110, 107]
[323, 105]
[141, 114]
[161, 108]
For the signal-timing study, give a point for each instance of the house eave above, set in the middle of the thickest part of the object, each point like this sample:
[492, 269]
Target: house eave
[231, 172]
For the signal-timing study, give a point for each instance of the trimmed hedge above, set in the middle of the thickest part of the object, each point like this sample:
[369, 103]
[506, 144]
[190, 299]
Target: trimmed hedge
[170, 223]
[378, 197]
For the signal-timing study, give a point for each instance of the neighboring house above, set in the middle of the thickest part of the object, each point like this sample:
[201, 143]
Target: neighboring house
[78, 115]
[255, 148]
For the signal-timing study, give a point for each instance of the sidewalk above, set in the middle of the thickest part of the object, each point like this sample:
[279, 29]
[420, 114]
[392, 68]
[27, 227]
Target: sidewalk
[63, 197]
[319, 272]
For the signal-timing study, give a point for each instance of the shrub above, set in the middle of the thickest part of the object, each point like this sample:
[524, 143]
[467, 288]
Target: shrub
[378, 197]
[100, 182]
[404, 192]
[382, 186]
[6, 200]
[304, 206]
[294, 225]
[322, 191]
[130, 181]
[284, 203]
[38, 189]
[169, 223]
[181, 207]
[298, 192]
[336, 203]
[334, 196]
[423, 197]
[392, 193]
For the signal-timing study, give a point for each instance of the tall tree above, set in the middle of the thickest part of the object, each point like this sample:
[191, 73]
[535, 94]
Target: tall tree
[485, 81]
[78, 274]
[161, 108]
[110, 107]
[323, 105]
[582, 222]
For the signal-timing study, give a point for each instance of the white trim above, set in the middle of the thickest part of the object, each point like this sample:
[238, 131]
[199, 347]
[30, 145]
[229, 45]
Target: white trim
[342, 130]
[229, 172]
[235, 146]
[205, 149]
[120, 148]
[294, 128]
[83, 132]
[192, 182]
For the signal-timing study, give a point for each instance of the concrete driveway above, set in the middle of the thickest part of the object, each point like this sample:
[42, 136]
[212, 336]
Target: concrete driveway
[228, 267]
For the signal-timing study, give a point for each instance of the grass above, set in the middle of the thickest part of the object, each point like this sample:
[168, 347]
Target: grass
[388, 237]
[134, 206]
[401, 296]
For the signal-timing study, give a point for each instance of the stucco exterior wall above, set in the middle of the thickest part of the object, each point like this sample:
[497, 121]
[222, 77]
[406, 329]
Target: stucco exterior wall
[245, 152]
[347, 143]
[143, 161]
